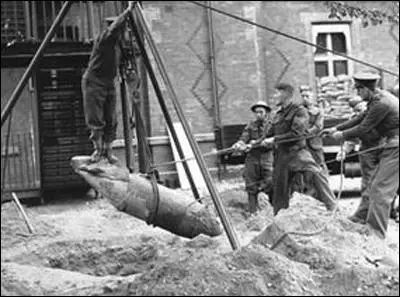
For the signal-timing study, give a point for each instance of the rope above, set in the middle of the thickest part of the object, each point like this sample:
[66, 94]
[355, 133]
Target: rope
[378, 147]
[228, 150]
[212, 153]
[292, 37]
[152, 173]
[155, 206]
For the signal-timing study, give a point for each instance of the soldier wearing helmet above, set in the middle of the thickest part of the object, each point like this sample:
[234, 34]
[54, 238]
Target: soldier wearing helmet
[258, 163]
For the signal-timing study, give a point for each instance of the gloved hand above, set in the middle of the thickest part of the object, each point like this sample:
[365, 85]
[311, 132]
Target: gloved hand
[267, 141]
[328, 131]
[247, 148]
[238, 146]
[253, 142]
[337, 135]
[341, 156]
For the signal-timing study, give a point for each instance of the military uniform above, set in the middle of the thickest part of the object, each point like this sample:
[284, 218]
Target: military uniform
[382, 115]
[395, 208]
[259, 160]
[368, 163]
[395, 90]
[292, 158]
[315, 144]
[99, 89]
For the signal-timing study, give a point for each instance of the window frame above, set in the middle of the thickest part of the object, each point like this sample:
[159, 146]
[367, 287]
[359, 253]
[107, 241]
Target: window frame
[329, 56]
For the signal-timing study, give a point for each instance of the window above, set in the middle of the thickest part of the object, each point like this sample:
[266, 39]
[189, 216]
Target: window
[23, 20]
[333, 37]
[13, 24]
[46, 12]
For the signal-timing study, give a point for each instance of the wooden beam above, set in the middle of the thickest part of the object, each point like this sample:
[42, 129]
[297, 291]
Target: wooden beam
[21, 209]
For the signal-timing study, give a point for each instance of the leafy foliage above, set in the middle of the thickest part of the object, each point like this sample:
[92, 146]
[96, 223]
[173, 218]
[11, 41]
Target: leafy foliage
[341, 9]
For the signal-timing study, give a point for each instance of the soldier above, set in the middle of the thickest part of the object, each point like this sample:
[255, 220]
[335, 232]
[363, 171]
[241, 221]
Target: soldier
[98, 88]
[395, 89]
[292, 157]
[368, 160]
[382, 114]
[314, 144]
[394, 214]
[258, 163]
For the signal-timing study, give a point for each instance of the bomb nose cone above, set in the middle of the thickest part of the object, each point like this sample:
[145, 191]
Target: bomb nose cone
[175, 211]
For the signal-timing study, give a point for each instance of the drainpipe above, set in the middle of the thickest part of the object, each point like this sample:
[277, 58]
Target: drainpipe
[90, 14]
[214, 87]
[28, 30]
[35, 32]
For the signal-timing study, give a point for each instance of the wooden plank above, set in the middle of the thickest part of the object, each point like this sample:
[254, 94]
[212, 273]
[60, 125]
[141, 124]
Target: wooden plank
[194, 167]
[183, 179]
[21, 209]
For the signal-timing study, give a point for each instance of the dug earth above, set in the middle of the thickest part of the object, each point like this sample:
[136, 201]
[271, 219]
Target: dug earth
[90, 248]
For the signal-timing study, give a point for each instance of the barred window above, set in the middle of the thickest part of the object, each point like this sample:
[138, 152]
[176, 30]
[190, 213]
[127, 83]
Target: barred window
[13, 24]
[46, 12]
[334, 37]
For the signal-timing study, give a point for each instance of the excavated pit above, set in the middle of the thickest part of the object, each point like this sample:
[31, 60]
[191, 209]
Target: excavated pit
[94, 257]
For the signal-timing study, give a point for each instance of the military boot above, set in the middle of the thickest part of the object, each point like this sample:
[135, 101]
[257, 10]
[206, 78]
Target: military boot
[252, 203]
[108, 153]
[98, 149]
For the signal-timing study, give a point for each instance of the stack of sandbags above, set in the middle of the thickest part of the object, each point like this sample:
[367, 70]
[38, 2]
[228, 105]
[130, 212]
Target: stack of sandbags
[334, 94]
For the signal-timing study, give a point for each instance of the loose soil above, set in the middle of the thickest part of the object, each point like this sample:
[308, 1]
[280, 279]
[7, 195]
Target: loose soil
[88, 248]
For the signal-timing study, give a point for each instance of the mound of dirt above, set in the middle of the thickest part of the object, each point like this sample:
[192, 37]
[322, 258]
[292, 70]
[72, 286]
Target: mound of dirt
[96, 250]
[14, 230]
[335, 260]
[254, 270]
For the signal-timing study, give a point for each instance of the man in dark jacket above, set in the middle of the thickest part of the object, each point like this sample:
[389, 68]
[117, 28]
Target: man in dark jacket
[288, 132]
[98, 87]
[394, 214]
[382, 114]
[369, 160]
[258, 163]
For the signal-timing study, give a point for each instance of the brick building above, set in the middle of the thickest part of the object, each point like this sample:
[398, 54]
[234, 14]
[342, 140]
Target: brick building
[249, 60]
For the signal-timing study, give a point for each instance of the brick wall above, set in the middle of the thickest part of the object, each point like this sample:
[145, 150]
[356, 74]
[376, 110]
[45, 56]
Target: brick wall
[250, 61]
[180, 29]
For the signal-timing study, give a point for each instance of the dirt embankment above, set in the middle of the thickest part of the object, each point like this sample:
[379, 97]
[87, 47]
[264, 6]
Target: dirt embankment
[92, 249]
